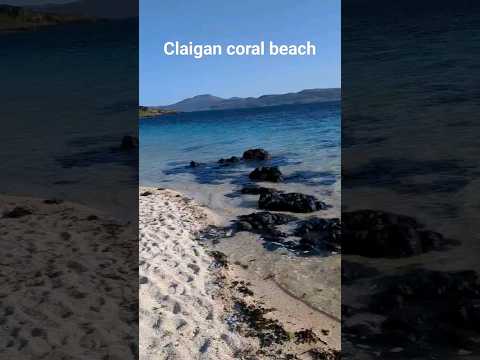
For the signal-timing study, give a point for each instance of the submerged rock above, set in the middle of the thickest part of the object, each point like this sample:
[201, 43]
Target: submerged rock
[194, 164]
[256, 154]
[321, 234]
[267, 173]
[374, 233]
[229, 161]
[257, 190]
[292, 202]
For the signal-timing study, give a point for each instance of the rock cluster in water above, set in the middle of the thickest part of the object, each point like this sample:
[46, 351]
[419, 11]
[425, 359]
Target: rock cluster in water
[311, 235]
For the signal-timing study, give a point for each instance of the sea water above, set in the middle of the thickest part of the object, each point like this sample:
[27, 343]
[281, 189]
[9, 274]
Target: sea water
[304, 141]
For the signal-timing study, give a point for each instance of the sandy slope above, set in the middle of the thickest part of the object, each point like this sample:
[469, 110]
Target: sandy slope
[180, 317]
[67, 291]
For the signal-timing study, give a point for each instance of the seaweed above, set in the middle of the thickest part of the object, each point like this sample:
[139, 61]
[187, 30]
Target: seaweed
[268, 331]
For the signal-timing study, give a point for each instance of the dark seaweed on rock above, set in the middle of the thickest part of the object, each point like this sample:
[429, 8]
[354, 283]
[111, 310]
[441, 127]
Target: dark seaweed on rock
[375, 233]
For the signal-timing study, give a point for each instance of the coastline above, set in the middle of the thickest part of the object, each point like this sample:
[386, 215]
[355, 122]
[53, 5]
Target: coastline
[196, 301]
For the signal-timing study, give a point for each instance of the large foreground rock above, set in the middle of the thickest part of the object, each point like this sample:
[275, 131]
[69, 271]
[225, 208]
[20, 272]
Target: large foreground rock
[321, 234]
[256, 154]
[374, 233]
[292, 202]
[267, 173]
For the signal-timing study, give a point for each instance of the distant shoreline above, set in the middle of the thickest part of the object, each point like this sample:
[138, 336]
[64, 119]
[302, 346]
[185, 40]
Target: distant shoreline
[207, 102]
[149, 112]
[14, 19]
[241, 109]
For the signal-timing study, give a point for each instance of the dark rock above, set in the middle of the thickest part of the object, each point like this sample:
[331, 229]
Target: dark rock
[293, 202]
[263, 221]
[129, 142]
[264, 224]
[380, 234]
[17, 212]
[256, 154]
[272, 174]
[92, 217]
[257, 190]
[146, 193]
[194, 164]
[321, 234]
[230, 160]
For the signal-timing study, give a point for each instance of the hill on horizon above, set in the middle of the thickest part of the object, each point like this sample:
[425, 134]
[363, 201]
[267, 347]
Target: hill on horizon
[210, 102]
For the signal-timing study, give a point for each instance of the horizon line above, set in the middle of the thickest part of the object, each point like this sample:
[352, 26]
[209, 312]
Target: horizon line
[247, 97]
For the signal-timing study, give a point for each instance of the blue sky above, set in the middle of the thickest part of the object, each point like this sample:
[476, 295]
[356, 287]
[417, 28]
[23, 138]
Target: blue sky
[168, 79]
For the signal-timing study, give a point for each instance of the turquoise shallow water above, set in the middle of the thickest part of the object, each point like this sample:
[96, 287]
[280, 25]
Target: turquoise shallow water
[304, 141]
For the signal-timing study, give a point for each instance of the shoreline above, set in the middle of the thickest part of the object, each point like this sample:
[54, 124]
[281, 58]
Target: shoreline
[270, 321]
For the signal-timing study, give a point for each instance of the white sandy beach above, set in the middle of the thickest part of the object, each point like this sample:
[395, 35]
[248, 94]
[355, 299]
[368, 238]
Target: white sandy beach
[189, 304]
[65, 274]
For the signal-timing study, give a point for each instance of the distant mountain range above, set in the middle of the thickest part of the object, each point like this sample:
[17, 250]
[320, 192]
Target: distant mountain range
[210, 102]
